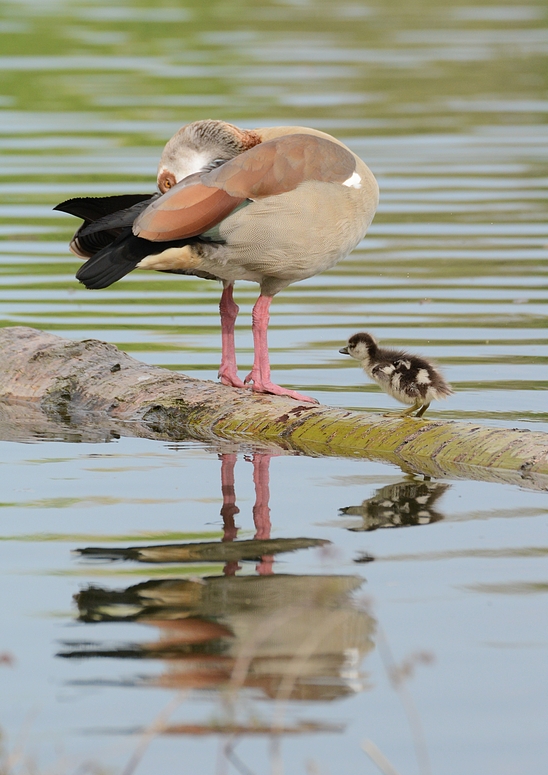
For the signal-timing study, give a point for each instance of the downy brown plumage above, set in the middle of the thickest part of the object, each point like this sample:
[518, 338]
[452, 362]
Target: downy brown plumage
[411, 379]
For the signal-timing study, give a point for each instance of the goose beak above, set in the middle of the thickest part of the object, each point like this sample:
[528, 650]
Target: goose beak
[344, 351]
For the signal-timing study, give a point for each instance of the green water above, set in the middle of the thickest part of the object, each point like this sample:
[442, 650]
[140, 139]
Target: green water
[447, 103]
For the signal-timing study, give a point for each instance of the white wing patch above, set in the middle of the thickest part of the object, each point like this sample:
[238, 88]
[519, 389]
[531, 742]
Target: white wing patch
[354, 181]
[396, 379]
[422, 377]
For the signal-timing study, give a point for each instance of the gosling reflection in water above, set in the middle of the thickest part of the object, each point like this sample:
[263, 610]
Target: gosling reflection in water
[403, 504]
[297, 637]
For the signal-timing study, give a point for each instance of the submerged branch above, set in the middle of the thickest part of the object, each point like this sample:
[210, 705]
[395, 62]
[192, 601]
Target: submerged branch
[90, 390]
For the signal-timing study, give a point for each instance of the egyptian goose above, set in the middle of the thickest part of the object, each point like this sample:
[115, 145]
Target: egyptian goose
[273, 205]
[408, 378]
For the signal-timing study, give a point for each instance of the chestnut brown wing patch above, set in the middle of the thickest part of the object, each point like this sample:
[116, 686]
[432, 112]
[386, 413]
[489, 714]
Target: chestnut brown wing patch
[186, 210]
[195, 205]
[280, 165]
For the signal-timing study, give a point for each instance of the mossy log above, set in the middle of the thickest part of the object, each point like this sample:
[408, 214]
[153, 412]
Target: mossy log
[90, 390]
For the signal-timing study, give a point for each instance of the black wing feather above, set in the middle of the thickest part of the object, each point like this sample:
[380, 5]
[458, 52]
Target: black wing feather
[120, 257]
[106, 237]
[118, 220]
[105, 218]
[115, 260]
[91, 208]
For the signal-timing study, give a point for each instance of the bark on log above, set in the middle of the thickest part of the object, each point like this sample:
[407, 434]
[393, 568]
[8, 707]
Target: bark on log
[90, 390]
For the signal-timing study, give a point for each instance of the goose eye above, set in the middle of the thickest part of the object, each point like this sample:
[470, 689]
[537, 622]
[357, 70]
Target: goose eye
[166, 181]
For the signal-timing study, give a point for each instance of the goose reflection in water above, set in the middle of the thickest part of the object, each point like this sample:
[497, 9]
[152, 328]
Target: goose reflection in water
[291, 637]
[402, 504]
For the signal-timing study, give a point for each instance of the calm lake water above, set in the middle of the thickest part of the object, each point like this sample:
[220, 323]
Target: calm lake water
[430, 642]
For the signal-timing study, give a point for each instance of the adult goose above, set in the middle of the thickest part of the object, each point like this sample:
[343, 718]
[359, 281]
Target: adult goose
[272, 205]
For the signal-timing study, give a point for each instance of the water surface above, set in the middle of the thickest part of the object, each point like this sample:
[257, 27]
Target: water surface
[447, 105]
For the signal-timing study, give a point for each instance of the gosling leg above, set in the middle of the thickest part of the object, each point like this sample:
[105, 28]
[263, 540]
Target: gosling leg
[422, 410]
[418, 407]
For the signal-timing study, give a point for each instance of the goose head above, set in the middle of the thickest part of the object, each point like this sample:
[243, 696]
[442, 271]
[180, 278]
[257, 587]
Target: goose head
[199, 147]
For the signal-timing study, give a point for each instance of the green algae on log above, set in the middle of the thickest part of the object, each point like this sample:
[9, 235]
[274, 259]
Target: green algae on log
[92, 387]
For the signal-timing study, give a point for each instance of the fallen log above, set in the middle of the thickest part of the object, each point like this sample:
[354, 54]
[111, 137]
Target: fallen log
[90, 390]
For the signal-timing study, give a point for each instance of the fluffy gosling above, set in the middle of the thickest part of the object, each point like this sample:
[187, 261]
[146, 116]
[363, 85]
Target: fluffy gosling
[408, 378]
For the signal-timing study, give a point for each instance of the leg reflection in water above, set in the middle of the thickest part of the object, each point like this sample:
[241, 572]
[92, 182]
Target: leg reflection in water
[229, 508]
[261, 508]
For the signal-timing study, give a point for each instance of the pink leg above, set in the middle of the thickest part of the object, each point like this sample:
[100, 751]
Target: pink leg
[261, 509]
[260, 373]
[229, 508]
[228, 370]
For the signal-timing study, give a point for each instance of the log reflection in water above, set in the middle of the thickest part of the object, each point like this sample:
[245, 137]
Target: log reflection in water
[203, 551]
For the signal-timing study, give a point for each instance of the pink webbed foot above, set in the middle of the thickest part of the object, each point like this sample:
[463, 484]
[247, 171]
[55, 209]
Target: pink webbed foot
[229, 377]
[264, 386]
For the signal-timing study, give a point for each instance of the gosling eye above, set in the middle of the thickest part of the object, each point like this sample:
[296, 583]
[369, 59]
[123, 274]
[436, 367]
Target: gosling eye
[166, 181]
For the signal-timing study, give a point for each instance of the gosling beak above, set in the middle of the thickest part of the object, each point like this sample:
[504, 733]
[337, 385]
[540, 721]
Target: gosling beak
[344, 351]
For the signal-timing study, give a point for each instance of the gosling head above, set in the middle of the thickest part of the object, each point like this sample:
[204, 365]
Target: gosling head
[362, 347]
